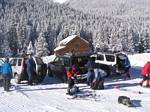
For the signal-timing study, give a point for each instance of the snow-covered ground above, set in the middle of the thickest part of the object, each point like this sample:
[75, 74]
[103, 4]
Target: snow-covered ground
[50, 96]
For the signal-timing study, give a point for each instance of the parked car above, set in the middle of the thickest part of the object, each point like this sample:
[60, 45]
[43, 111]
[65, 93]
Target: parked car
[20, 73]
[111, 62]
[60, 64]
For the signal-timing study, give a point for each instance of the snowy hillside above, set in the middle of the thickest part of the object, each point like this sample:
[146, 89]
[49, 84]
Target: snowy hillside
[50, 96]
[139, 59]
[60, 1]
[124, 8]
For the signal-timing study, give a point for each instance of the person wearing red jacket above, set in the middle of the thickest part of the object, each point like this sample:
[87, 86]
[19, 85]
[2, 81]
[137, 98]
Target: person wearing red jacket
[70, 76]
[146, 74]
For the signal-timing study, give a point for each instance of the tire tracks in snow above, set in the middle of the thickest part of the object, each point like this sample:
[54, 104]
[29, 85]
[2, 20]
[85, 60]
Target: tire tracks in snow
[19, 101]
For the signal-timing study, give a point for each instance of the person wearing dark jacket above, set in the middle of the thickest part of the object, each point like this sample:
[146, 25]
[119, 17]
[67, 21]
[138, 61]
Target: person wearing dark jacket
[146, 74]
[6, 71]
[30, 69]
[91, 74]
[123, 64]
[128, 66]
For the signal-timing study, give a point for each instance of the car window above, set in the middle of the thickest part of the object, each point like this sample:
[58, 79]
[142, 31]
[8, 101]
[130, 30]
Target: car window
[19, 62]
[58, 60]
[39, 60]
[66, 62]
[13, 62]
[100, 57]
[121, 59]
[110, 58]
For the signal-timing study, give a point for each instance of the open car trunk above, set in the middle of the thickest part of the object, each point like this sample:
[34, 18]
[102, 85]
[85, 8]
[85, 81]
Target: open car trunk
[121, 63]
[81, 61]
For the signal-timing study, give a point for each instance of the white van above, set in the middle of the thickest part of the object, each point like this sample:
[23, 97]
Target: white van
[111, 61]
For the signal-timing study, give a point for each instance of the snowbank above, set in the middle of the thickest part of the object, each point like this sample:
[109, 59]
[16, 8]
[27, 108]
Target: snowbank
[139, 59]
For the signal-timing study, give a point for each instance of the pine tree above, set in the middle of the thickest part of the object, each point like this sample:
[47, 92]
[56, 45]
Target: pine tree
[5, 49]
[41, 46]
[30, 48]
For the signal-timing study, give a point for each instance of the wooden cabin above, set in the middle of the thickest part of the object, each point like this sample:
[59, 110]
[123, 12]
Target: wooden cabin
[72, 44]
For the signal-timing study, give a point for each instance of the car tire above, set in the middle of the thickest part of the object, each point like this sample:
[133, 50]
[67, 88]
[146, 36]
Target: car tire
[40, 77]
[64, 78]
[50, 74]
[41, 74]
[17, 78]
[107, 70]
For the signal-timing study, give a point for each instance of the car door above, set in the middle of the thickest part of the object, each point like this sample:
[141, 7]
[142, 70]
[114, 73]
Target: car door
[13, 63]
[58, 65]
[1, 62]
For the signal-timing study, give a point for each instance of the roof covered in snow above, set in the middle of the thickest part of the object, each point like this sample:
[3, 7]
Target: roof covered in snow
[59, 47]
[68, 39]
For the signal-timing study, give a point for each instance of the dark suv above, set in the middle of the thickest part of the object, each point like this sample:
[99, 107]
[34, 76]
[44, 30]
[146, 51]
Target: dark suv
[60, 64]
[19, 69]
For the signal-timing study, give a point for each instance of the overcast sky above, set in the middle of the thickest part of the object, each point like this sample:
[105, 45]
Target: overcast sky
[60, 1]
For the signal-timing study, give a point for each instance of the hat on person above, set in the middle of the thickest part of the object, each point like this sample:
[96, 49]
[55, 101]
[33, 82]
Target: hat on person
[29, 53]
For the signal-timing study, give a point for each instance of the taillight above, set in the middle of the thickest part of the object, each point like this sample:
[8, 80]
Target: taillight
[22, 68]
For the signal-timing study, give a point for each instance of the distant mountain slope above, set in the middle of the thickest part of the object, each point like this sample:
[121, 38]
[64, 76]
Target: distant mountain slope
[112, 7]
[125, 15]
[46, 23]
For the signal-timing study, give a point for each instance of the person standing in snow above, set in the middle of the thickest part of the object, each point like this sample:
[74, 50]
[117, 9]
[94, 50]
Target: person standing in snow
[6, 71]
[128, 66]
[91, 74]
[98, 82]
[146, 74]
[30, 68]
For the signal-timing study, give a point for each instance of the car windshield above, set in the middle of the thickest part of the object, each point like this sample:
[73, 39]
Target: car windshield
[13, 62]
[1, 62]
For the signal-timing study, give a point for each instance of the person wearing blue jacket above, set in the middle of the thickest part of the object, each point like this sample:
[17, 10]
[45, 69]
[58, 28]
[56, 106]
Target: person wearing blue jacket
[6, 72]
